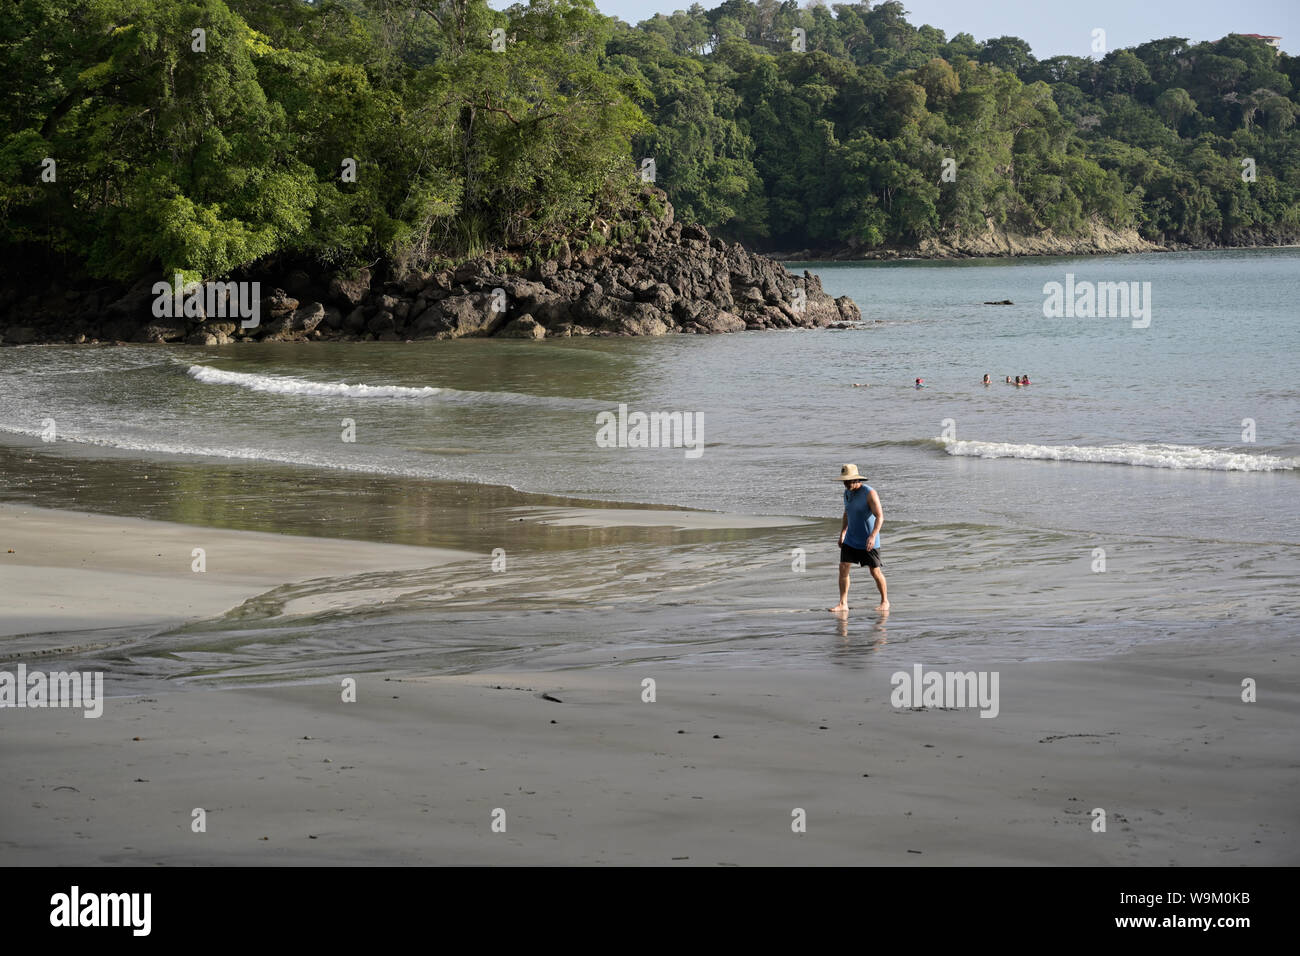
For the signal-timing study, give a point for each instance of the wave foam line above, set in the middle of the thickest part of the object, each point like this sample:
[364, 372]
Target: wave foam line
[270, 456]
[284, 385]
[287, 385]
[1146, 456]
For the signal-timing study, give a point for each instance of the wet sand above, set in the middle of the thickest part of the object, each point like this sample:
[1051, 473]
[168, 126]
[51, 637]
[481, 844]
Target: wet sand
[416, 769]
[709, 773]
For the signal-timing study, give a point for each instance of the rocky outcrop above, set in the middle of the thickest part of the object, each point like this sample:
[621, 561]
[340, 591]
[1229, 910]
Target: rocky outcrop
[998, 242]
[1098, 239]
[524, 327]
[674, 278]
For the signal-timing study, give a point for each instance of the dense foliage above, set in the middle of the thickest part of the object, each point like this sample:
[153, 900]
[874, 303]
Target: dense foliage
[844, 143]
[200, 161]
[202, 153]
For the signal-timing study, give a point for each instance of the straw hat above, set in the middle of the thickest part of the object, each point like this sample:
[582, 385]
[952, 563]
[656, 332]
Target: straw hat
[849, 473]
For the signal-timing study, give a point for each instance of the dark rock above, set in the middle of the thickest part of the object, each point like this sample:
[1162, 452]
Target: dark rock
[218, 327]
[719, 320]
[303, 287]
[162, 330]
[550, 310]
[381, 323]
[524, 327]
[460, 315]
[467, 271]
[522, 291]
[292, 326]
[278, 304]
[567, 329]
[350, 290]
[125, 314]
[307, 317]
[848, 309]
[567, 285]
[630, 318]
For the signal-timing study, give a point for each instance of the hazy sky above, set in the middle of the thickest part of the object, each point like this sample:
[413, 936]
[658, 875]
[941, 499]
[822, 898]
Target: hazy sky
[1057, 27]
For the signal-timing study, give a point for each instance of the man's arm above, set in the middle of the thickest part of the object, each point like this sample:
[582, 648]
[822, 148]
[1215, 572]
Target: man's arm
[874, 502]
[844, 526]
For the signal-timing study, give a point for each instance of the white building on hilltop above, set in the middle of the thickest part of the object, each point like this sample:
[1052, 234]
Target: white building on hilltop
[1274, 42]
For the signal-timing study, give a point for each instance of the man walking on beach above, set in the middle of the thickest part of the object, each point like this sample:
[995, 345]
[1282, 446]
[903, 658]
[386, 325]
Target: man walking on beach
[859, 535]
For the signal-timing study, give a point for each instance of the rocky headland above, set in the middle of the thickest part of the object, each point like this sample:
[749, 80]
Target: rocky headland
[669, 277]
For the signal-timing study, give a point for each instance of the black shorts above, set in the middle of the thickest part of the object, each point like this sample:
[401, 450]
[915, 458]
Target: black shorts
[860, 557]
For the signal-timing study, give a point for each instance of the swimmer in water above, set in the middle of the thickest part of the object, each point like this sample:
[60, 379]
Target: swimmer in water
[920, 383]
[987, 380]
[1008, 379]
[1024, 380]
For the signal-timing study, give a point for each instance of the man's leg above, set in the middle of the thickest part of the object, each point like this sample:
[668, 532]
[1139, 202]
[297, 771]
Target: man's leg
[879, 575]
[844, 587]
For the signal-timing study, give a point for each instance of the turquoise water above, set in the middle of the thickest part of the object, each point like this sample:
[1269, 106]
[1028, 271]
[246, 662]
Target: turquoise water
[1131, 439]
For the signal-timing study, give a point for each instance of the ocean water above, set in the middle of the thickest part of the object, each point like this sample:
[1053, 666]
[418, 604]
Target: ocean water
[1174, 448]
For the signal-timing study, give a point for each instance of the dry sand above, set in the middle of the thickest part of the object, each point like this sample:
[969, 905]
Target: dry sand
[71, 570]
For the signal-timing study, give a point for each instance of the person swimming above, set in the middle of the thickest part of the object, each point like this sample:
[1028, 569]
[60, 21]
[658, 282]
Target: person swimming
[1024, 380]
[987, 380]
[1017, 382]
[1008, 379]
[920, 383]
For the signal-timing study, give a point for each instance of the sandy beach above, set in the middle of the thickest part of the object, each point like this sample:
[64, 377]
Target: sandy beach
[712, 772]
[67, 571]
[709, 774]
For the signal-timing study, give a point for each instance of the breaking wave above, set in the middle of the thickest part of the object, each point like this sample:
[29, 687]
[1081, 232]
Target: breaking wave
[1143, 455]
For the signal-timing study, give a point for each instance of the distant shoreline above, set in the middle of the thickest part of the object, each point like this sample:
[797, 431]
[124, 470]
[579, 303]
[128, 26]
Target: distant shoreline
[1021, 247]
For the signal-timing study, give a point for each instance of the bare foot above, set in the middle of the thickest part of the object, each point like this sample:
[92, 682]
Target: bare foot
[838, 609]
[883, 607]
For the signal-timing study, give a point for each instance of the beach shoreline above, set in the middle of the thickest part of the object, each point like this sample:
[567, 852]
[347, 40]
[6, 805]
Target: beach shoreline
[410, 766]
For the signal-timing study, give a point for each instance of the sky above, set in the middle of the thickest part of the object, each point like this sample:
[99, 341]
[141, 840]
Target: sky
[1064, 27]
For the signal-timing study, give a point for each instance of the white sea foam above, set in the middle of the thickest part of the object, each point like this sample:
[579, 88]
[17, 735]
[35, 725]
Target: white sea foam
[288, 385]
[366, 465]
[285, 385]
[1147, 456]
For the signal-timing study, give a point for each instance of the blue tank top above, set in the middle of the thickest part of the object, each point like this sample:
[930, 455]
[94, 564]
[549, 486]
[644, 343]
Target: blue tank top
[857, 505]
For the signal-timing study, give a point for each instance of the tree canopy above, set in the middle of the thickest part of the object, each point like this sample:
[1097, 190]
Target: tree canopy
[199, 136]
